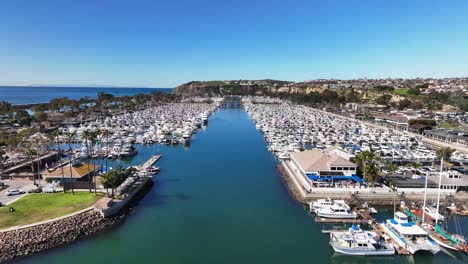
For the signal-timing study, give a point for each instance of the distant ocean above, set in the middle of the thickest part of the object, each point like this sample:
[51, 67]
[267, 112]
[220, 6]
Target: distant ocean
[43, 94]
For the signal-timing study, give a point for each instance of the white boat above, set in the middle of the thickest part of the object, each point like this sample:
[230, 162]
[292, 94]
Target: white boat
[128, 151]
[409, 235]
[322, 203]
[431, 210]
[360, 243]
[319, 204]
[337, 210]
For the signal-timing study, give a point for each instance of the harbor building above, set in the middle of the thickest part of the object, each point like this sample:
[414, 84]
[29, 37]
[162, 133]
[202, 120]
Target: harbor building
[450, 182]
[79, 173]
[327, 165]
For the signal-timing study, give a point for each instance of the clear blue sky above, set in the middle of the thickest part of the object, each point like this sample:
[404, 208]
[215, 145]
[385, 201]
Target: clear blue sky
[165, 43]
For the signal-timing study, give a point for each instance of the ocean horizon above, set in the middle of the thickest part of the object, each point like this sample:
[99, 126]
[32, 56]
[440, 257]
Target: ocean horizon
[18, 95]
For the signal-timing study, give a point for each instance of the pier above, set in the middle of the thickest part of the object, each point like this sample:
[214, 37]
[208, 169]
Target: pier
[151, 161]
[27, 164]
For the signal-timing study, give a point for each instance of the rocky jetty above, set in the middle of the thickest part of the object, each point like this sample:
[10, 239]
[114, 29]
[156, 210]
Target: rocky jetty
[41, 237]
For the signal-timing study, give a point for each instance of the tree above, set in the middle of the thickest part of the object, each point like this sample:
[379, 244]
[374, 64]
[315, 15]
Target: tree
[445, 153]
[110, 179]
[414, 91]
[37, 142]
[93, 138]
[31, 153]
[368, 163]
[4, 106]
[384, 99]
[56, 137]
[40, 116]
[87, 137]
[403, 104]
[69, 138]
[22, 117]
[3, 158]
[390, 166]
[106, 133]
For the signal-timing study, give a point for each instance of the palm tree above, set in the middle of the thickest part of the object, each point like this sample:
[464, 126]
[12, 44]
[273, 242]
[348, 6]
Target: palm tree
[31, 153]
[93, 138]
[38, 141]
[445, 153]
[2, 160]
[87, 137]
[69, 137]
[56, 136]
[368, 162]
[106, 133]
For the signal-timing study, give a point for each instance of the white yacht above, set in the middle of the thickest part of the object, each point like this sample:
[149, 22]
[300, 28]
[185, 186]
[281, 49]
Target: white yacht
[361, 243]
[409, 235]
[128, 150]
[431, 210]
[337, 210]
[323, 203]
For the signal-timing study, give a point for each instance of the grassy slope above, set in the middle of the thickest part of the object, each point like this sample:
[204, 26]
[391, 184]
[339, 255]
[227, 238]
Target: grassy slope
[39, 207]
[401, 91]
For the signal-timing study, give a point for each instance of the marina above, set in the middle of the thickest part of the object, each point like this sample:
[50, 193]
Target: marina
[179, 197]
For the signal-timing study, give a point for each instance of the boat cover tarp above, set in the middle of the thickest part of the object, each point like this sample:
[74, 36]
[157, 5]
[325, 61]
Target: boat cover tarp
[442, 232]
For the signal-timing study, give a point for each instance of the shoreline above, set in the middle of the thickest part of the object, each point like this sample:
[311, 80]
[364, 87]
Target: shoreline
[39, 238]
[376, 199]
[24, 241]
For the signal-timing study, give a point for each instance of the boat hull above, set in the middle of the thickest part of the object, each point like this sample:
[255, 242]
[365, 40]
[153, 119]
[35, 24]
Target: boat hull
[412, 248]
[362, 251]
[337, 216]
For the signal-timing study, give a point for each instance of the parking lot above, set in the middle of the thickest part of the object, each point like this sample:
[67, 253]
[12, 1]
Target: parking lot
[24, 185]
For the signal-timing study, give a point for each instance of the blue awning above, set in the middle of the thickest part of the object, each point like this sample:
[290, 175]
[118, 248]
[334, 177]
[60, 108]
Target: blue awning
[314, 177]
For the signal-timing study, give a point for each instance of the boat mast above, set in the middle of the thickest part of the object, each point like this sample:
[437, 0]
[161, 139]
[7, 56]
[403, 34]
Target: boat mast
[438, 192]
[425, 196]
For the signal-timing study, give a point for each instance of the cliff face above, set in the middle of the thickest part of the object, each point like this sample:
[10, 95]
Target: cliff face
[228, 87]
[196, 88]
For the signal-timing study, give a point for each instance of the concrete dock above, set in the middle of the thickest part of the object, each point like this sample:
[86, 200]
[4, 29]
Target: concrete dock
[151, 161]
[300, 189]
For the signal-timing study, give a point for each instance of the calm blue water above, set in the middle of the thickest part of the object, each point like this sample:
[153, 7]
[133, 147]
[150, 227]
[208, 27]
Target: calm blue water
[36, 94]
[219, 201]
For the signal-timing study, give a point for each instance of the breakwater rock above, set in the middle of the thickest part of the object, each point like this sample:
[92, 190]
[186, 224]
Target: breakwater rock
[30, 240]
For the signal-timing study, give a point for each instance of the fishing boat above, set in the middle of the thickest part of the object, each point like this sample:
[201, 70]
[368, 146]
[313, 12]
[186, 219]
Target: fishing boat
[409, 235]
[360, 243]
[337, 210]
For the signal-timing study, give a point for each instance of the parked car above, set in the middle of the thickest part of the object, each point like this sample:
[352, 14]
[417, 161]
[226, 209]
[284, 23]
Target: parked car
[14, 192]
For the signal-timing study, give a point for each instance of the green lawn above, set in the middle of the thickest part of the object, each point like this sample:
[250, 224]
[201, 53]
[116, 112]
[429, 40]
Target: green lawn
[401, 91]
[39, 207]
[447, 125]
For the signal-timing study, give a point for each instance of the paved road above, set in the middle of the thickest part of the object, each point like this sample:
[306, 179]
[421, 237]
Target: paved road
[14, 184]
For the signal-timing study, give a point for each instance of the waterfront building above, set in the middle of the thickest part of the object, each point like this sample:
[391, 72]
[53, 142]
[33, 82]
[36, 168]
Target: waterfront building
[395, 119]
[451, 182]
[79, 172]
[324, 166]
[448, 135]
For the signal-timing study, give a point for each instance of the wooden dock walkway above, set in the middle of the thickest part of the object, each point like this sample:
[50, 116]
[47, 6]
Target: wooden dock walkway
[28, 162]
[151, 161]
